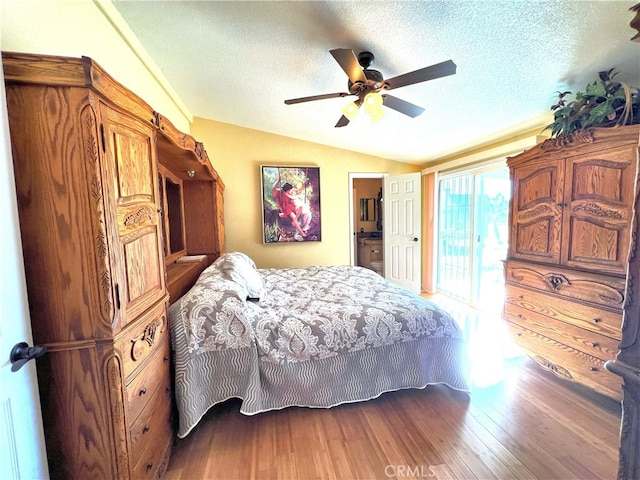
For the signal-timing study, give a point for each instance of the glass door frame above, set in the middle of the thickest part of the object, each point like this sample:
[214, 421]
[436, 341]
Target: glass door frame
[473, 172]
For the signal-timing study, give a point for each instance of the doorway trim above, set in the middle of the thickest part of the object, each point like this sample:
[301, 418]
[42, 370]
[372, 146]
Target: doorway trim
[352, 214]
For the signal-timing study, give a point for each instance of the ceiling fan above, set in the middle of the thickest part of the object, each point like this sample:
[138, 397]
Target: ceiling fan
[366, 84]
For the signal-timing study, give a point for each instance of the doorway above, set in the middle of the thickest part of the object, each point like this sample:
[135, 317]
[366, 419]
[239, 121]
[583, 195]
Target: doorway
[367, 242]
[472, 236]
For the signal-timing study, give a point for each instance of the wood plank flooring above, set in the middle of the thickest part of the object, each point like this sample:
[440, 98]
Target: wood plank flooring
[529, 425]
[520, 422]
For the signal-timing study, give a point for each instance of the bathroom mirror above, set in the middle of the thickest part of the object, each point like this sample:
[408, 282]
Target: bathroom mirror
[368, 209]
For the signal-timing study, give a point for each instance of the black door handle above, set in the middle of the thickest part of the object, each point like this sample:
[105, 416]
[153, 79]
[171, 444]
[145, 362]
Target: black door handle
[21, 353]
[415, 239]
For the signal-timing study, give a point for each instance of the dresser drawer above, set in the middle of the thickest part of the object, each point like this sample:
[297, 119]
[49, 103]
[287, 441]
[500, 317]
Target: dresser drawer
[152, 424]
[155, 376]
[566, 362]
[594, 319]
[154, 450]
[601, 290]
[142, 338]
[593, 344]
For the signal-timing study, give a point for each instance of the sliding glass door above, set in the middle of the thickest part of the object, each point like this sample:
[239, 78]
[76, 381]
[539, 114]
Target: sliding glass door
[472, 235]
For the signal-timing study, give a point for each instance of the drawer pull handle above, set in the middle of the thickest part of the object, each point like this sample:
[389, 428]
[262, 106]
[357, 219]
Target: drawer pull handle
[597, 320]
[595, 344]
[520, 297]
[149, 466]
[143, 390]
[167, 390]
[519, 315]
[145, 429]
[166, 359]
[593, 369]
[518, 334]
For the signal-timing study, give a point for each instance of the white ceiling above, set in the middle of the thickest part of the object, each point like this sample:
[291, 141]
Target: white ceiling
[236, 62]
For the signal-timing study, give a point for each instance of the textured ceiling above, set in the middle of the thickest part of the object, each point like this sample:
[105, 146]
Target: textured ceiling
[236, 62]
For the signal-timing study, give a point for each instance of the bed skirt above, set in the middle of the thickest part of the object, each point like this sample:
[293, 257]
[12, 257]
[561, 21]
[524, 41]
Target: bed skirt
[207, 378]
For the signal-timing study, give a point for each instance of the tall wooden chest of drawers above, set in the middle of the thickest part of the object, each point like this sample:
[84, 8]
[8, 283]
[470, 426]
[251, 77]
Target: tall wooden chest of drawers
[84, 151]
[570, 235]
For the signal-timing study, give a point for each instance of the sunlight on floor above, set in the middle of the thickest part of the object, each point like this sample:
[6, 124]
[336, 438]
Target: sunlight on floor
[490, 345]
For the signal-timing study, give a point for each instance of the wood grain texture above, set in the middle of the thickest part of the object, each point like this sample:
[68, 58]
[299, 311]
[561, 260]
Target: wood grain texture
[627, 363]
[596, 345]
[529, 426]
[566, 362]
[594, 319]
[85, 166]
[536, 219]
[576, 286]
[570, 242]
[597, 218]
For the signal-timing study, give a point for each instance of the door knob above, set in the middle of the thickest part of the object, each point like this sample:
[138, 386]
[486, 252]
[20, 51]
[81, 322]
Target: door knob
[415, 239]
[21, 353]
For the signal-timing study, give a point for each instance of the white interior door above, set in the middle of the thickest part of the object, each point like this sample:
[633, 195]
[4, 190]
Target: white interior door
[22, 450]
[402, 244]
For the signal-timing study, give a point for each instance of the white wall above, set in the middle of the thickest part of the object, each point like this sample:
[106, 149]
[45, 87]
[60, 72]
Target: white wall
[95, 29]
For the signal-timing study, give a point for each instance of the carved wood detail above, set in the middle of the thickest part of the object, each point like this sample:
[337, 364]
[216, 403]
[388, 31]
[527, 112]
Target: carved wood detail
[142, 215]
[596, 270]
[596, 210]
[114, 392]
[141, 232]
[89, 132]
[552, 367]
[142, 344]
[536, 211]
[78, 199]
[561, 141]
[556, 281]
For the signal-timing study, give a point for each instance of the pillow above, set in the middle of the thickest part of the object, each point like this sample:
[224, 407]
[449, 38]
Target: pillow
[240, 268]
[214, 314]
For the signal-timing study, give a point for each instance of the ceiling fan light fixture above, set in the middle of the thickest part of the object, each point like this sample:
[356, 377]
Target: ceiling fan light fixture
[350, 110]
[376, 114]
[373, 103]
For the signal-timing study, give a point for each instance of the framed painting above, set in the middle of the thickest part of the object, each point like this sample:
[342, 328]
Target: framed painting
[290, 204]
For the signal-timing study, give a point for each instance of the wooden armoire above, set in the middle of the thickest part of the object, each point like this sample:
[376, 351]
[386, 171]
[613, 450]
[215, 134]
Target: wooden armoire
[109, 194]
[570, 238]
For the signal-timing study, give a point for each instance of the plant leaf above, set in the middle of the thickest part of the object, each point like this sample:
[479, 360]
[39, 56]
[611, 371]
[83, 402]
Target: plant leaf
[599, 112]
[597, 89]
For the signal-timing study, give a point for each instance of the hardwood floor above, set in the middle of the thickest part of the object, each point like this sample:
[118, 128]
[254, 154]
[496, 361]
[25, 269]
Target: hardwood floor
[520, 422]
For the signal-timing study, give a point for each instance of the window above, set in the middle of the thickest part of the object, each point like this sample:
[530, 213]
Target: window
[472, 235]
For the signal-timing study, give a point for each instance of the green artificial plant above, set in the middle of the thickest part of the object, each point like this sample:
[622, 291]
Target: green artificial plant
[604, 103]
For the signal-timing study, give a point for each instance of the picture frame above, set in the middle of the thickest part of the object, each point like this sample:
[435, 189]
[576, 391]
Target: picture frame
[290, 204]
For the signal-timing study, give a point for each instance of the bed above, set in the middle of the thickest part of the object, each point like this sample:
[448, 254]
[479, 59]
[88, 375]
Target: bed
[310, 337]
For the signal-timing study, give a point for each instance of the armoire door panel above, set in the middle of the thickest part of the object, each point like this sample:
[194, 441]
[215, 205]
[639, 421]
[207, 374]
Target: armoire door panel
[537, 212]
[536, 239]
[596, 246]
[144, 278]
[130, 150]
[597, 179]
[536, 187]
[133, 160]
[598, 195]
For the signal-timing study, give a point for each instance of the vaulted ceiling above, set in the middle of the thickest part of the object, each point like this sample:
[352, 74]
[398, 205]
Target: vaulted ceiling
[236, 62]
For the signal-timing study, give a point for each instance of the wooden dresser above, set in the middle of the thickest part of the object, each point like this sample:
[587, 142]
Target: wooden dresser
[92, 204]
[570, 220]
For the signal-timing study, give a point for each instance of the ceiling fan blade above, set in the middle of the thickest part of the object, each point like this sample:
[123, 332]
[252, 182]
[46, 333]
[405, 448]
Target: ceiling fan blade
[316, 97]
[343, 122]
[349, 63]
[402, 106]
[428, 73]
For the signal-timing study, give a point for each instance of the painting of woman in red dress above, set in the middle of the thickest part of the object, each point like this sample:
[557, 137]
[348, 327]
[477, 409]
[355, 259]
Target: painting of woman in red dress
[291, 204]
